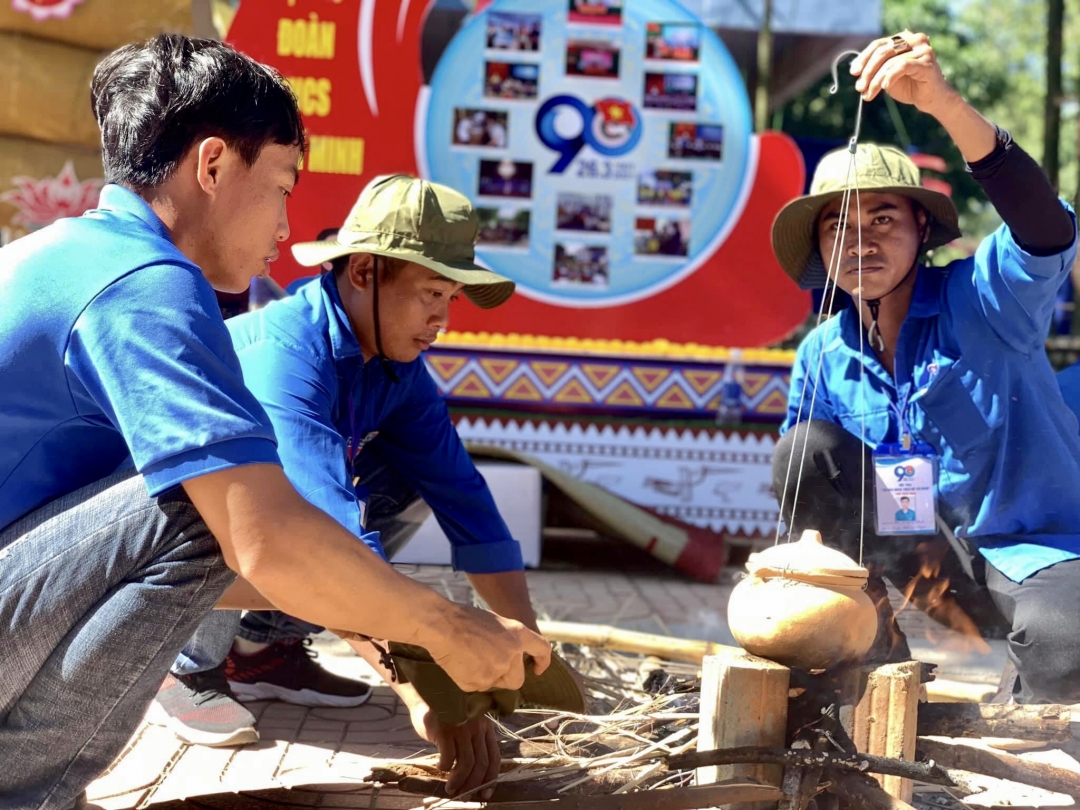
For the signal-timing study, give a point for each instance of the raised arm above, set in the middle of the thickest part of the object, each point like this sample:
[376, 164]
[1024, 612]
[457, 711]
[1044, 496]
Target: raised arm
[913, 76]
[1019, 269]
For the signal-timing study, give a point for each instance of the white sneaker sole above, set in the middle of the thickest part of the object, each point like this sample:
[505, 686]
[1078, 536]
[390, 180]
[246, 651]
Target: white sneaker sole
[248, 692]
[211, 739]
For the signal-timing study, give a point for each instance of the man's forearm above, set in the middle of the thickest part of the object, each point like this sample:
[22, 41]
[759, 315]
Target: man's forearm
[391, 604]
[276, 540]
[973, 135]
[242, 595]
[506, 593]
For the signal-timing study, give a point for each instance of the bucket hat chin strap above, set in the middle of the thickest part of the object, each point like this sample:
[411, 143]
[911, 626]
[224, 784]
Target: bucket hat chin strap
[389, 369]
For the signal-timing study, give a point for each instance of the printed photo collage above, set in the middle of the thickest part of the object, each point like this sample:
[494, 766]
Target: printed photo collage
[583, 221]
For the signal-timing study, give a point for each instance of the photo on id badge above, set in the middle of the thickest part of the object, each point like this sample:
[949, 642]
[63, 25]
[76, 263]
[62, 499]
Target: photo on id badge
[904, 495]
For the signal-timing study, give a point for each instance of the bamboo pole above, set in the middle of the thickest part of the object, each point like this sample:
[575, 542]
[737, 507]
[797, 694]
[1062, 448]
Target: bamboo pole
[605, 637]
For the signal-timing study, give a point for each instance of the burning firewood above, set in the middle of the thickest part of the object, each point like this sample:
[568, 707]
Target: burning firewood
[956, 754]
[1043, 723]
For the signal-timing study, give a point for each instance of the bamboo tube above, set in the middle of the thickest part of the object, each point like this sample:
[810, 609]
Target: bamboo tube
[605, 637]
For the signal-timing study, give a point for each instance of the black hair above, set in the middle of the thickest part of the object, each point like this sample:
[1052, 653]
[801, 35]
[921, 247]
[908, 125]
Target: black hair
[156, 99]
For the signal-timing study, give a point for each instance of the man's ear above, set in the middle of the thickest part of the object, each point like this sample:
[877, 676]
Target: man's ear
[359, 270]
[923, 219]
[212, 156]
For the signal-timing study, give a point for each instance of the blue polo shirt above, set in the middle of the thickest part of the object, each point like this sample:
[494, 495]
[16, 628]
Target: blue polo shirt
[303, 362]
[113, 351]
[1069, 382]
[972, 369]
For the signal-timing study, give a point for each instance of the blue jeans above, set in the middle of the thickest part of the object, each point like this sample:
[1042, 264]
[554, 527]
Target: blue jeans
[98, 591]
[394, 510]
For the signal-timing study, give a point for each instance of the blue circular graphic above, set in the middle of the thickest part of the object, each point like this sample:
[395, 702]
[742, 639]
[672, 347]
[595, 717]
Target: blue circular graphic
[605, 143]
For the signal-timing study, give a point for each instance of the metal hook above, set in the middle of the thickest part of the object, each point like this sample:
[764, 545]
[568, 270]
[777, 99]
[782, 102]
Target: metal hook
[836, 70]
[853, 143]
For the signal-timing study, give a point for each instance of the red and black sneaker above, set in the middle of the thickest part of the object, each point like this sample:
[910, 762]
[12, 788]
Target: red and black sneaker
[201, 710]
[286, 670]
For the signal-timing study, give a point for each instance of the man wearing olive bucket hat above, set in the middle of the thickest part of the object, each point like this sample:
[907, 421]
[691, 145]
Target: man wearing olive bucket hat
[933, 382]
[359, 421]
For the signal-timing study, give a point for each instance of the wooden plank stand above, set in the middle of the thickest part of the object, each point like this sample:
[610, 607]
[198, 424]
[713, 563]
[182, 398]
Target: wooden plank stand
[749, 701]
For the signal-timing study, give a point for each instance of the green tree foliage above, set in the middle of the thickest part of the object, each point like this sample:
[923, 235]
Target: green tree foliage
[993, 52]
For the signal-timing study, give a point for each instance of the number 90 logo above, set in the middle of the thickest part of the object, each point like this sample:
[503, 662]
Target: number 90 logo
[904, 471]
[611, 126]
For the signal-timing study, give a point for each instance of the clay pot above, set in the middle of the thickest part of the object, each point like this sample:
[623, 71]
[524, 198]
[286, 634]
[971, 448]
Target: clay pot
[803, 605]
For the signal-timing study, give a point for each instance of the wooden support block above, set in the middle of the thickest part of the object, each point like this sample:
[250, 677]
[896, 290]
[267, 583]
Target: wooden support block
[883, 720]
[744, 701]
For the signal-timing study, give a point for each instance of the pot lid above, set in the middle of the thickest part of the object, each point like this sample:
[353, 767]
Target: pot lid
[808, 557]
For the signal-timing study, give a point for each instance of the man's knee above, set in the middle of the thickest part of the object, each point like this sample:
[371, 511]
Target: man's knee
[817, 447]
[1046, 643]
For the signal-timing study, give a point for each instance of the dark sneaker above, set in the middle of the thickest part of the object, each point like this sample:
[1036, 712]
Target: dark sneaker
[202, 710]
[286, 670]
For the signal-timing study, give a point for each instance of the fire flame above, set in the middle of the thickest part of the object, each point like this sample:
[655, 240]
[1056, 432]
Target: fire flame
[929, 592]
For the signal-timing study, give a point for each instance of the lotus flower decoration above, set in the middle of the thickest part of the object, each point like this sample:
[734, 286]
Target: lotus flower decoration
[42, 10]
[43, 201]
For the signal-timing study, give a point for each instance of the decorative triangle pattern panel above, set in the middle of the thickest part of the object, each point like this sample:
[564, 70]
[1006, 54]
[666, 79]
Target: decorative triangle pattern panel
[608, 385]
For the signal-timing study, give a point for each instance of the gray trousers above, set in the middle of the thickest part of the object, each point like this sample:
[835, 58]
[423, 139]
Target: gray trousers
[99, 590]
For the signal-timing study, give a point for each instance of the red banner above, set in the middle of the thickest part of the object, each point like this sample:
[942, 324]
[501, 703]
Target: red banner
[356, 68]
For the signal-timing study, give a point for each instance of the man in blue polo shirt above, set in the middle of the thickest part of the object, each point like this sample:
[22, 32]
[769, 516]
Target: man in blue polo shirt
[359, 419]
[905, 513]
[113, 353]
[944, 369]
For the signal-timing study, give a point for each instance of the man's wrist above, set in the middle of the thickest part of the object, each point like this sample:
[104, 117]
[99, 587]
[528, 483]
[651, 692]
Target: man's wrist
[437, 621]
[408, 695]
[972, 133]
[948, 105]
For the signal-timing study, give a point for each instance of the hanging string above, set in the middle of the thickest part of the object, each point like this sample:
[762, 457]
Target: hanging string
[825, 312]
[832, 276]
[862, 376]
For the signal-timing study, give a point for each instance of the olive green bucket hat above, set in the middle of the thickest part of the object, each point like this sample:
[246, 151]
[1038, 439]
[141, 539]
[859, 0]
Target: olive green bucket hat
[403, 217]
[555, 688]
[880, 169]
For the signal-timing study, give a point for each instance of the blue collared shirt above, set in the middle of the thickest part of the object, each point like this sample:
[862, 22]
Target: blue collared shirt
[303, 362]
[972, 369]
[1069, 382]
[113, 351]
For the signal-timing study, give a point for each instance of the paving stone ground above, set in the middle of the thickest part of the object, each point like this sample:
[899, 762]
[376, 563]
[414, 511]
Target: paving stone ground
[334, 749]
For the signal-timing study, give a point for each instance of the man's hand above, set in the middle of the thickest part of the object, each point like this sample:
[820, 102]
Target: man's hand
[470, 752]
[481, 650]
[906, 68]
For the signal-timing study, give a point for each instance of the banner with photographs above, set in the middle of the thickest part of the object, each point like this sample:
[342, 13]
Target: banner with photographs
[606, 146]
[606, 143]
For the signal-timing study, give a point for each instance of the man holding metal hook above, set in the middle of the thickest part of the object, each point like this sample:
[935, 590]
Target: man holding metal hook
[933, 385]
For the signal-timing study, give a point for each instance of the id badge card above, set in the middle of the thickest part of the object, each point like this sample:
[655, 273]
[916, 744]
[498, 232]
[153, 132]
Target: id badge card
[904, 497]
